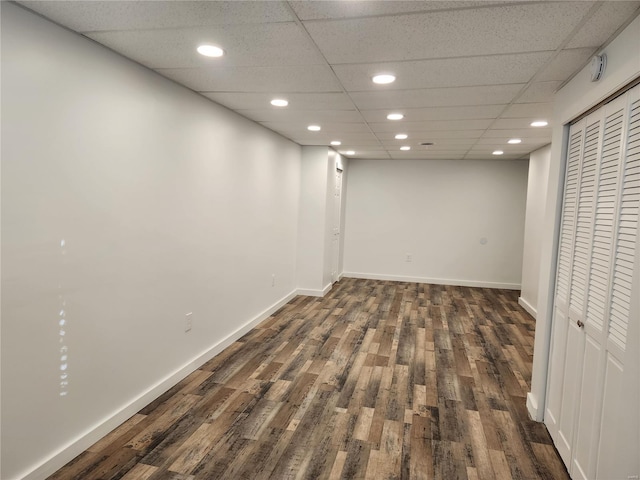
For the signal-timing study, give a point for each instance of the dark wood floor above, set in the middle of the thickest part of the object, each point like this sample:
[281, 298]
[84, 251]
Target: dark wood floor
[379, 380]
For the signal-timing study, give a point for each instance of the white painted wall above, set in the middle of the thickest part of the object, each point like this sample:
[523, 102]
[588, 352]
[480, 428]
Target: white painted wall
[315, 233]
[343, 209]
[335, 160]
[166, 203]
[439, 212]
[575, 98]
[313, 224]
[327, 266]
[536, 203]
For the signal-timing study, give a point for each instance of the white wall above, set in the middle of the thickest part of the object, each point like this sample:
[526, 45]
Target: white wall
[313, 222]
[441, 213]
[334, 217]
[536, 202]
[127, 201]
[575, 98]
[316, 222]
[343, 209]
[329, 221]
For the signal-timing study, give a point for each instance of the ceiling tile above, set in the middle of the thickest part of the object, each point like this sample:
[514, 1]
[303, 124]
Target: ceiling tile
[440, 113]
[565, 64]
[451, 72]
[597, 30]
[459, 64]
[331, 129]
[516, 123]
[436, 97]
[438, 147]
[529, 110]
[523, 133]
[436, 136]
[305, 117]
[310, 78]
[529, 142]
[507, 149]
[539, 92]
[489, 156]
[347, 138]
[89, 16]
[418, 150]
[297, 101]
[411, 155]
[378, 155]
[429, 126]
[439, 138]
[352, 139]
[364, 8]
[481, 31]
[244, 45]
[360, 148]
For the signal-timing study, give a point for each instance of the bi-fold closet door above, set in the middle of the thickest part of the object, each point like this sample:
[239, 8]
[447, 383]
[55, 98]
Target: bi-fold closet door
[596, 248]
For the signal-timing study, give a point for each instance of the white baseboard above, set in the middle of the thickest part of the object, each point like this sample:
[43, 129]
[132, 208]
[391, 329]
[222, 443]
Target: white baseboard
[314, 293]
[310, 293]
[532, 407]
[528, 307]
[102, 428]
[435, 281]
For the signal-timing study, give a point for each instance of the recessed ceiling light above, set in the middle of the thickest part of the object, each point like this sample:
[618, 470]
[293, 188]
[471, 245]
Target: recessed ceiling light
[349, 152]
[384, 78]
[395, 116]
[514, 141]
[402, 136]
[539, 123]
[336, 143]
[498, 152]
[279, 102]
[314, 128]
[210, 51]
[405, 147]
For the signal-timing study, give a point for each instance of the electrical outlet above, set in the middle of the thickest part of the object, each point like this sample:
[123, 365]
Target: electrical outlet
[273, 280]
[188, 322]
[408, 257]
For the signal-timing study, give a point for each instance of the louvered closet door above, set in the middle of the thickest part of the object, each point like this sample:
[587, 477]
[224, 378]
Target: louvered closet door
[617, 316]
[598, 240]
[573, 265]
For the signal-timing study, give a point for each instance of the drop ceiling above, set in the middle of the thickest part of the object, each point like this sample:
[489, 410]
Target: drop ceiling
[470, 74]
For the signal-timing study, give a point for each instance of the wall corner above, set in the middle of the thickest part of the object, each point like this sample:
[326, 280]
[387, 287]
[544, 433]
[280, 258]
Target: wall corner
[532, 408]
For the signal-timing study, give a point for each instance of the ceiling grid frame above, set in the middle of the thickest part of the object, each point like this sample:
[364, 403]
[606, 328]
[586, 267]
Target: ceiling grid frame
[468, 93]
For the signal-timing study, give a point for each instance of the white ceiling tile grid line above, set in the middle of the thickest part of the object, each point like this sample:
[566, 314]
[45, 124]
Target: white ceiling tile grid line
[470, 74]
[312, 40]
[594, 8]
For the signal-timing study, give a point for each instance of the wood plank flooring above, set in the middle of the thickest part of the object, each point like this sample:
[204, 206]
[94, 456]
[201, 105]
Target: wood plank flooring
[378, 380]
